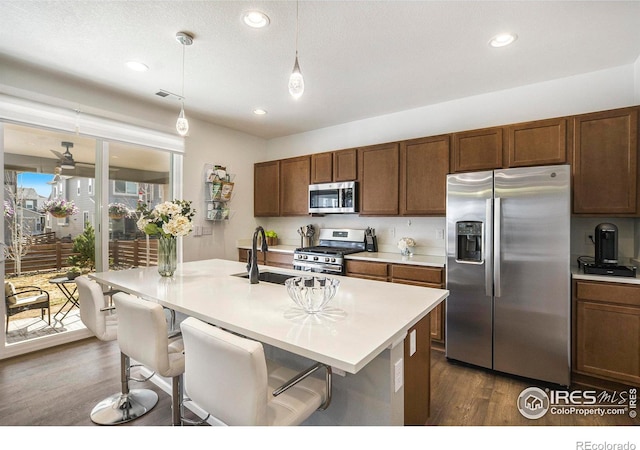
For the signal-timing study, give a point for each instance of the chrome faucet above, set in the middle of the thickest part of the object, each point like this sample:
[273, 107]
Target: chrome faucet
[252, 264]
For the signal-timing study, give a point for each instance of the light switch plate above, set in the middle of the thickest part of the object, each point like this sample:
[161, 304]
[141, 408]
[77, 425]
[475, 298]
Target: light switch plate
[398, 374]
[412, 342]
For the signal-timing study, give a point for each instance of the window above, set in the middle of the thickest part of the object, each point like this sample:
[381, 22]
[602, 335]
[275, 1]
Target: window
[85, 219]
[78, 189]
[125, 188]
[30, 204]
[90, 187]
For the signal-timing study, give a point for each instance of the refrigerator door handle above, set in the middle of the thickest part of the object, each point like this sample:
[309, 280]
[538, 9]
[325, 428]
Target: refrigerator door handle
[497, 216]
[488, 278]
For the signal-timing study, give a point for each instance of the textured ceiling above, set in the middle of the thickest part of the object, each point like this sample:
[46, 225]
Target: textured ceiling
[359, 59]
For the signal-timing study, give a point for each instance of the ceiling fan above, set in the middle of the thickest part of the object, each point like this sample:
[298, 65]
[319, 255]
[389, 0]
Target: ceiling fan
[66, 159]
[57, 175]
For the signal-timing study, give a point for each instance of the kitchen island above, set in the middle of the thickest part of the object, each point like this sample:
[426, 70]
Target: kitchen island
[361, 333]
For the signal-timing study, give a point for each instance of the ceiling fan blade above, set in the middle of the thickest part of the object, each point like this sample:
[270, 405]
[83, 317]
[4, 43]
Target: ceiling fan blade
[58, 154]
[56, 178]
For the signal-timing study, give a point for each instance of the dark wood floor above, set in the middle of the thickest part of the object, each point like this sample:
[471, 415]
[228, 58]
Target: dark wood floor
[60, 386]
[468, 396]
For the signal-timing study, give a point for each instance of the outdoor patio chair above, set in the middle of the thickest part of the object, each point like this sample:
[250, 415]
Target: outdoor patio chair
[25, 298]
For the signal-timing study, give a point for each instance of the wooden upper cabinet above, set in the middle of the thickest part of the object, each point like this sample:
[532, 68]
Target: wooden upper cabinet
[424, 165]
[378, 172]
[335, 166]
[322, 167]
[345, 165]
[266, 189]
[295, 177]
[605, 163]
[542, 142]
[477, 150]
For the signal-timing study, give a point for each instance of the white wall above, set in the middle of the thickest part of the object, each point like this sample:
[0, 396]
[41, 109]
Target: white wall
[237, 151]
[606, 89]
[636, 67]
[206, 143]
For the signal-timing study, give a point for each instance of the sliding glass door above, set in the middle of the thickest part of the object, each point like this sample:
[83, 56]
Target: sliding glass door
[70, 206]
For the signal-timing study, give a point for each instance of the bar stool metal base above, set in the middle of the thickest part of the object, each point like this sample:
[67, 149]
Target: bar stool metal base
[120, 408]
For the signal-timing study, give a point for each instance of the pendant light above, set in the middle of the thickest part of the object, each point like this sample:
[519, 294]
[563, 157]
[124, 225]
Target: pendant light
[296, 82]
[182, 124]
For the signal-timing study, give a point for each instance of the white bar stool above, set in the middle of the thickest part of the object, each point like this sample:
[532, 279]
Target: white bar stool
[143, 336]
[229, 377]
[98, 317]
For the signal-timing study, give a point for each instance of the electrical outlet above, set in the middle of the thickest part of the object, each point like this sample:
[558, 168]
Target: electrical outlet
[587, 238]
[440, 234]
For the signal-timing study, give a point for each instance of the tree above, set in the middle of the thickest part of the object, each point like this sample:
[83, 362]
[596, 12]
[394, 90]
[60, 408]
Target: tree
[84, 245]
[20, 232]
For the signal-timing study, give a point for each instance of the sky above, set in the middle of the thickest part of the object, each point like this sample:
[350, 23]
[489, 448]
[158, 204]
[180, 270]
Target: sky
[38, 181]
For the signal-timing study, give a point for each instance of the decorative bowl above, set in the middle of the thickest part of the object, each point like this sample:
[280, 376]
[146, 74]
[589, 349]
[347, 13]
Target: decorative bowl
[312, 294]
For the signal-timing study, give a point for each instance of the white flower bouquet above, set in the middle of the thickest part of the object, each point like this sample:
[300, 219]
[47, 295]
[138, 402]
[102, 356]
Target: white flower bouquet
[167, 219]
[405, 245]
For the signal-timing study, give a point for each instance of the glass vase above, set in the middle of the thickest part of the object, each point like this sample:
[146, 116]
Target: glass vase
[406, 252]
[167, 256]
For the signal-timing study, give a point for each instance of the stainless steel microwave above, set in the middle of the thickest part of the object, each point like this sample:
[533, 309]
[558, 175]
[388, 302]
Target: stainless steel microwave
[331, 198]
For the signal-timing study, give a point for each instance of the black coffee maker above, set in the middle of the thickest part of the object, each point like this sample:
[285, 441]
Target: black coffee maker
[606, 240]
[606, 260]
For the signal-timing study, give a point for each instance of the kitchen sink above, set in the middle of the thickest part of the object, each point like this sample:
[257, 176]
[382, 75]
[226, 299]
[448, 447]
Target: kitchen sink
[267, 277]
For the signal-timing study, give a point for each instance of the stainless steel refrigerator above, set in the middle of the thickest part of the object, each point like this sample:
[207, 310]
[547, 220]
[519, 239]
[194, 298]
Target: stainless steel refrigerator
[508, 271]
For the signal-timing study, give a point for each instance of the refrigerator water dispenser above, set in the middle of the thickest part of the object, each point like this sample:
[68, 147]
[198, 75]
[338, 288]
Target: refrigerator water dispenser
[469, 241]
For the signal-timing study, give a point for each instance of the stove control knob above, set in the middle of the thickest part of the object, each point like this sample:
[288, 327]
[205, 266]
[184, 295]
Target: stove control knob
[327, 259]
[305, 256]
[315, 258]
[333, 260]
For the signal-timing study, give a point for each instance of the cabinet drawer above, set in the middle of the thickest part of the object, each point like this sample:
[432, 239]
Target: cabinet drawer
[608, 292]
[429, 275]
[372, 269]
[284, 260]
[243, 256]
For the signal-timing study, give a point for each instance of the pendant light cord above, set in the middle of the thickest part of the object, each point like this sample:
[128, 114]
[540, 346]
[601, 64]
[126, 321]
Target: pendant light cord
[183, 51]
[297, 19]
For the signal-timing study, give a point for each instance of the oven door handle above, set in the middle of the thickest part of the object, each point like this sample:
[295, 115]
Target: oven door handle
[320, 268]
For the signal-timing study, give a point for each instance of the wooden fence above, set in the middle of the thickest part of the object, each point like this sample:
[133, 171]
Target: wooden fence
[45, 257]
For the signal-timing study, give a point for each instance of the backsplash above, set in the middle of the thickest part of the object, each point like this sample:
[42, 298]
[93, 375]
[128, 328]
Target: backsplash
[428, 232]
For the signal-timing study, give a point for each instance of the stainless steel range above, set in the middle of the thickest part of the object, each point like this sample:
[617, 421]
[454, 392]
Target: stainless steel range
[328, 255]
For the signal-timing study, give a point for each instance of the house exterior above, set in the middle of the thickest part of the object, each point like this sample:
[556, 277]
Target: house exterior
[80, 190]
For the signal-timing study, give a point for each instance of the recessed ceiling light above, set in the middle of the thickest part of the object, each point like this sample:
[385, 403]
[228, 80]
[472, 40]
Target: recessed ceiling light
[259, 112]
[137, 66]
[256, 19]
[503, 39]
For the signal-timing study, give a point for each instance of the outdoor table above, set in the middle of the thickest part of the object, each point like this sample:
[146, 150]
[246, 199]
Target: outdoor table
[62, 283]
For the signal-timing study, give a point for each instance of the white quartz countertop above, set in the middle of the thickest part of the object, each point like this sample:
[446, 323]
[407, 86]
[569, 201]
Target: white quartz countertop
[578, 274]
[397, 258]
[363, 319]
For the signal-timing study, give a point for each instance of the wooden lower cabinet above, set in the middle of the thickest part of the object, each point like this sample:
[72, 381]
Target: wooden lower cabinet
[606, 331]
[278, 259]
[432, 277]
[274, 259]
[417, 369]
[367, 270]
